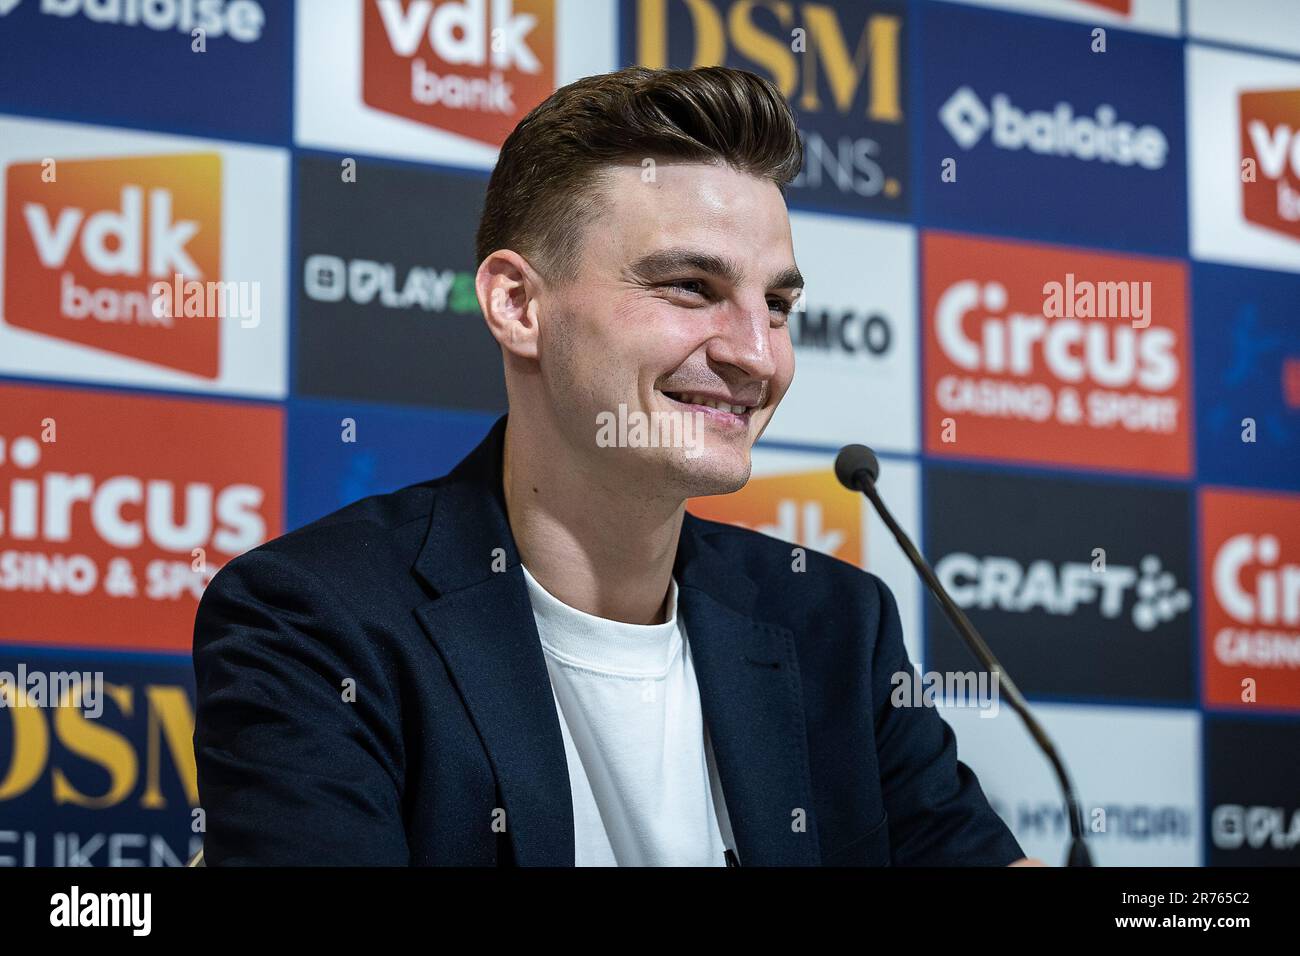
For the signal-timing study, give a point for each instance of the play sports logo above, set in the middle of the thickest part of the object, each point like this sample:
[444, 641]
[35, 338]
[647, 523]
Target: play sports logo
[88, 240]
[241, 20]
[808, 509]
[1102, 137]
[331, 278]
[473, 67]
[1270, 151]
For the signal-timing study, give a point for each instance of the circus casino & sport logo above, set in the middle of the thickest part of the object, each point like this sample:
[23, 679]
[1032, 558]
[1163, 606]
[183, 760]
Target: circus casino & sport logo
[1056, 356]
[116, 511]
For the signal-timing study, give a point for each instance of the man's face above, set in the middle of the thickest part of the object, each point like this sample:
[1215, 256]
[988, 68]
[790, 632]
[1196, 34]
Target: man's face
[682, 296]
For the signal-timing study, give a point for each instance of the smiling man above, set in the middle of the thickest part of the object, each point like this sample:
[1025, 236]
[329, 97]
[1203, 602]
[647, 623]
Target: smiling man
[541, 658]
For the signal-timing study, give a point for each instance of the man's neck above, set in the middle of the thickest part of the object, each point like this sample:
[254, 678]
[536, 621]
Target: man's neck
[595, 546]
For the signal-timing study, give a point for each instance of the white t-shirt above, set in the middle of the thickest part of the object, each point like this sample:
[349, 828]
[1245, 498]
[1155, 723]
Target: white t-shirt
[641, 768]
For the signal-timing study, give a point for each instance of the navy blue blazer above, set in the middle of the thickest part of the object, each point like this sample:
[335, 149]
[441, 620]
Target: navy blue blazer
[372, 691]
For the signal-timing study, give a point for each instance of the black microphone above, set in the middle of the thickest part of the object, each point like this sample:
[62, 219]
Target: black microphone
[857, 469]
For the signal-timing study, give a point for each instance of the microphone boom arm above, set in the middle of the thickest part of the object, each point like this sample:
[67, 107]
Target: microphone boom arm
[864, 480]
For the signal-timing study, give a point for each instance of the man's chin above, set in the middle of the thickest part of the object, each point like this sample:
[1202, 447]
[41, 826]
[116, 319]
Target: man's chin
[706, 474]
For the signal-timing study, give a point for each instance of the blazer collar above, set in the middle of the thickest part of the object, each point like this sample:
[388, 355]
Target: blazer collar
[481, 622]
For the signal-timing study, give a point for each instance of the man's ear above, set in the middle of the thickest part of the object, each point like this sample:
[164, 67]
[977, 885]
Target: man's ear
[507, 289]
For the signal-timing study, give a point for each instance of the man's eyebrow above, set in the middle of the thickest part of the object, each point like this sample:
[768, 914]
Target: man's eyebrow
[670, 261]
[790, 278]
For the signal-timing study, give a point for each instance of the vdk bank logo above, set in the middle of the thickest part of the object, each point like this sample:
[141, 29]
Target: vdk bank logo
[1270, 151]
[91, 243]
[808, 509]
[1102, 137]
[473, 67]
[840, 66]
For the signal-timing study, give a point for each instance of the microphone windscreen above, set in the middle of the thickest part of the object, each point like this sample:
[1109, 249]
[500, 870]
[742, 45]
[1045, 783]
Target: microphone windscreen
[853, 459]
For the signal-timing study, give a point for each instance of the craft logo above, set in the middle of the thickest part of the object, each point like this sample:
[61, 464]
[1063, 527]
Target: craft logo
[473, 67]
[840, 67]
[1102, 137]
[91, 242]
[1149, 594]
[1250, 554]
[1083, 588]
[115, 511]
[241, 20]
[808, 509]
[1052, 355]
[330, 278]
[1270, 148]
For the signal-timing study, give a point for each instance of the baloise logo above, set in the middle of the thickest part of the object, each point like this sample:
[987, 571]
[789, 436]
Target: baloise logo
[240, 20]
[1102, 137]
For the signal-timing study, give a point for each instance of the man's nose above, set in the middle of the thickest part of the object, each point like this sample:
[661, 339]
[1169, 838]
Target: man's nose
[743, 338]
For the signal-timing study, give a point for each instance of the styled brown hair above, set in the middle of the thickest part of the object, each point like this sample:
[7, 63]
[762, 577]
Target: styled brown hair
[543, 189]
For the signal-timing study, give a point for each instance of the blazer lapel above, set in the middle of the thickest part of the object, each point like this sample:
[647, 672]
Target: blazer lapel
[750, 696]
[482, 625]
[481, 622]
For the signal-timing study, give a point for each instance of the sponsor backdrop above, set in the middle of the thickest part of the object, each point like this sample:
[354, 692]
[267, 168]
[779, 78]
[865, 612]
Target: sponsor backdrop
[1053, 252]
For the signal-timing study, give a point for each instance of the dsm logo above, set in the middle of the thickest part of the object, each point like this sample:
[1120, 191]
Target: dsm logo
[842, 68]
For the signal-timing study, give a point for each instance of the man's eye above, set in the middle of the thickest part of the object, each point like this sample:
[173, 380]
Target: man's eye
[689, 286]
[781, 305]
